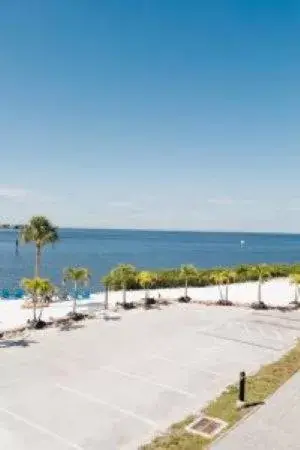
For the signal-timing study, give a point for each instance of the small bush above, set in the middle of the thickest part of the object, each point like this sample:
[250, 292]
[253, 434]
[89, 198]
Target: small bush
[36, 324]
[259, 305]
[164, 302]
[75, 316]
[224, 303]
[149, 302]
[128, 305]
[184, 299]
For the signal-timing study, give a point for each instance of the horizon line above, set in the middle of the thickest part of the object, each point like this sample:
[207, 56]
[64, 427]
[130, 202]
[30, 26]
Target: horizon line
[166, 230]
[178, 230]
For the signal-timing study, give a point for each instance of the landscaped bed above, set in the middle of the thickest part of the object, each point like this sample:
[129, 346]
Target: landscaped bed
[259, 387]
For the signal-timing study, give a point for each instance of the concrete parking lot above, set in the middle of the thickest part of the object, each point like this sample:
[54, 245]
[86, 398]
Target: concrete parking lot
[113, 385]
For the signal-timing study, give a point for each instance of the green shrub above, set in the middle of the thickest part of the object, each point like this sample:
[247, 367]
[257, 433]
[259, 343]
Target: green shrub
[172, 278]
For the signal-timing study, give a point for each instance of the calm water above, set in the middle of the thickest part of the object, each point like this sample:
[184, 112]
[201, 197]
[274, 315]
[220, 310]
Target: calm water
[100, 250]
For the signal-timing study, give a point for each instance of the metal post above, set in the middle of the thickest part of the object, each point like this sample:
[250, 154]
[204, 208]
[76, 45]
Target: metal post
[242, 387]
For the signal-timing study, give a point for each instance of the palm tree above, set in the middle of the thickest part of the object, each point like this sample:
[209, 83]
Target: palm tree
[145, 279]
[123, 275]
[107, 282]
[219, 278]
[42, 232]
[39, 289]
[187, 272]
[231, 277]
[79, 276]
[262, 273]
[106, 298]
[295, 280]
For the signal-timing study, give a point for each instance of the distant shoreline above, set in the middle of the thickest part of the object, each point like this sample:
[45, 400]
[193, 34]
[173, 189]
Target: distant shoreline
[157, 230]
[6, 226]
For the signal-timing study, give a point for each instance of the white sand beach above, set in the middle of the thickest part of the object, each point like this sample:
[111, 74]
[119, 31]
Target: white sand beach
[278, 292]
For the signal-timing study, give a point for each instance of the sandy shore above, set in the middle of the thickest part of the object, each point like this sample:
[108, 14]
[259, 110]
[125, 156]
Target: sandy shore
[277, 292]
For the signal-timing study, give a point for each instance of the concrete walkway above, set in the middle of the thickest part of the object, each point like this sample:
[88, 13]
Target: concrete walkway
[274, 426]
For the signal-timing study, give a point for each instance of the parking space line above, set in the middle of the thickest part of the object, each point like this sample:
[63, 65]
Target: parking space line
[40, 428]
[240, 341]
[184, 365]
[204, 349]
[276, 325]
[94, 399]
[267, 336]
[261, 332]
[292, 319]
[147, 380]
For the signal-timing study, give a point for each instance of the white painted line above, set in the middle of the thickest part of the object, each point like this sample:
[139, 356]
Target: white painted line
[186, 366]
[93, 399]
[40, 428]
[253, 330]
[270, 334]
[147, 380]
[245, 328]
[260, 332]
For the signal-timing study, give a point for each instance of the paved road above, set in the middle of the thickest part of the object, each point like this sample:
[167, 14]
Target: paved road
[274, 426]
[113, 385]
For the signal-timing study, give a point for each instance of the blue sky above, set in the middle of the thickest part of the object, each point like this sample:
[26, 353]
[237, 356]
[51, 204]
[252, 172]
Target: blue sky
[151, 113]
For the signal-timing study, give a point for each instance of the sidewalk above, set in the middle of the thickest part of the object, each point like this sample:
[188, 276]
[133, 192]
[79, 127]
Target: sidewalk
[274, 426]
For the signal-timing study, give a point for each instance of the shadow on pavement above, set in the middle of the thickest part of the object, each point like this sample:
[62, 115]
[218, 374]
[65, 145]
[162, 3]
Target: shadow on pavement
[16, 343]
[70, 326]
[253, 404]
[93, 305]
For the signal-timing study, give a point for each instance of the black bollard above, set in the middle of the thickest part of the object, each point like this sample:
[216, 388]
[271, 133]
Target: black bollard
[242, 387]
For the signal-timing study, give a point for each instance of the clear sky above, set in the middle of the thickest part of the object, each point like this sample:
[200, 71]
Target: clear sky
[151, 113]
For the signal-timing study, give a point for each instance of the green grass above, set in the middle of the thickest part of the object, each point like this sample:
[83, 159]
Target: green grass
[259, 387]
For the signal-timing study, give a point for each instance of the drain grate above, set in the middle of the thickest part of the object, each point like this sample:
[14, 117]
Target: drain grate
[206, 426]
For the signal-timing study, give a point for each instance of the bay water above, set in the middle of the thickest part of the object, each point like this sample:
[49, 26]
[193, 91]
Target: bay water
[100, 250]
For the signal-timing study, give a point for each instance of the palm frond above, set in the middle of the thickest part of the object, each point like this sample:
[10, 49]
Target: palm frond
[39, 230]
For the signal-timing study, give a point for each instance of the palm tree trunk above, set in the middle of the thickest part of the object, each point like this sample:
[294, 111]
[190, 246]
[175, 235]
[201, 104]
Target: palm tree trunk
[34, 301]
[41, 311]
[259, 299]
[75, 297]
[37, 261]
[124, 294]
[296, 293]
[220, 291]
[227, 292]
[186, 288]
[106, 299]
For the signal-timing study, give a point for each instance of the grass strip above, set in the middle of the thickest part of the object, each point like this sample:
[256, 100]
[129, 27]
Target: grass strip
[259, 387]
